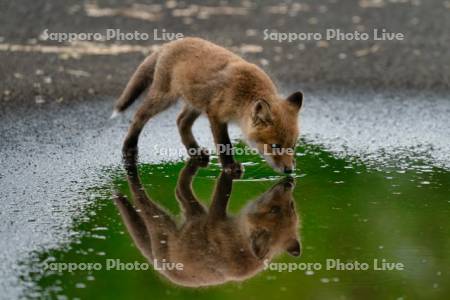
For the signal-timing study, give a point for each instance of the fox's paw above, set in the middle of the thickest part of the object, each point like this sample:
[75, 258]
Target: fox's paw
[200, 154]
[194, 164]
[235, 169]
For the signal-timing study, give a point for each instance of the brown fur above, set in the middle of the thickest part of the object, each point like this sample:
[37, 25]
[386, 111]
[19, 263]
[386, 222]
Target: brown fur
[213, 247]
[220, 84]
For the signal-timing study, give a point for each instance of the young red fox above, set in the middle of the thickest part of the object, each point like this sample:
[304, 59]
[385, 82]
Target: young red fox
[214, 81]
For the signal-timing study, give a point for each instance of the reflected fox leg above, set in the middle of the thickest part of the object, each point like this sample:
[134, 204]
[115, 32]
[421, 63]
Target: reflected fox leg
[153, 104]
[185, 195]
[152, 214]
[221, 195]
[135, 225]
[160, 225]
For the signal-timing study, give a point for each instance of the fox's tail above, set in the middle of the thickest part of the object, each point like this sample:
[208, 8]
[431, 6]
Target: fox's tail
[141, 79]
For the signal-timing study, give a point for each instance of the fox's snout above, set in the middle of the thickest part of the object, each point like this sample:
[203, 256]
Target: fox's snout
[289, 168]
[282, 163]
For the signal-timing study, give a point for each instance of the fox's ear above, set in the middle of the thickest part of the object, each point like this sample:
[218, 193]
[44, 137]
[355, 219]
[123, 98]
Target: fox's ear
[261, 113]
[260, 243]
[294, 248]
[296, 99]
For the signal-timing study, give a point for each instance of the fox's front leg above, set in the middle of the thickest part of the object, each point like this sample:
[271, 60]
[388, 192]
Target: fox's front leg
[224, 147]
[185, 121]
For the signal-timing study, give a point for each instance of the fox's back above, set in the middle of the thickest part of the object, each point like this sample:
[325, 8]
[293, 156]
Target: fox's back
[201, 71]
[193, 60]
[198, 52]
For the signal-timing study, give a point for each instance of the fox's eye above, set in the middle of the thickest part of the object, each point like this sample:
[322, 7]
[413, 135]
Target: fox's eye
[275, 209]
[276, 146]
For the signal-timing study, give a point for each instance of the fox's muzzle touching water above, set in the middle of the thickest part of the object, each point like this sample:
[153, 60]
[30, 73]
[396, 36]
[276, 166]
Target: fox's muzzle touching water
[222, 85]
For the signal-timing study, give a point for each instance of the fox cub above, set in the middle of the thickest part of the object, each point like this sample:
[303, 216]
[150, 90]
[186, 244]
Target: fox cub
[212, 246]
[225, 87]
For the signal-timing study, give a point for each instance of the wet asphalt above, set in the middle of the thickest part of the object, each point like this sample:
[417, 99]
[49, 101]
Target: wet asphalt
[53, 159]
[420, 61]
[362, 97]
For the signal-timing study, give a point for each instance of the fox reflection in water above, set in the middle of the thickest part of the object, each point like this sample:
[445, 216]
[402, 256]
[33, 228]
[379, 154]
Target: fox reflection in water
[212, 246]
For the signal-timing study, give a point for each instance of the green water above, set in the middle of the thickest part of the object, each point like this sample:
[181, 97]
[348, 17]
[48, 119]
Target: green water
[348, 211]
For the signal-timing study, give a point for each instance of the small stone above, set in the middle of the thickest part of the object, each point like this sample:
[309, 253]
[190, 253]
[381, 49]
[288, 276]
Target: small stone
[323, 44]
[39, 99]
[264, 62]
[313, 21]
[251, 32]
[356, 19]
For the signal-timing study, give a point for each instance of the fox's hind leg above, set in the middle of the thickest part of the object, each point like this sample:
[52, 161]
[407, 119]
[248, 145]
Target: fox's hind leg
[153, 104]
[185, 121]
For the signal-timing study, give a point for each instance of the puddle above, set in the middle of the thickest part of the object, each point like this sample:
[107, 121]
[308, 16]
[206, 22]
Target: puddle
[348, 212]
[372, 184]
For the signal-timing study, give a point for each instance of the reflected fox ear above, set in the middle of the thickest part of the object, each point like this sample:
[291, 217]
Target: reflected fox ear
[261, 113]
[260, 243]
[296, 99]
[294, 248]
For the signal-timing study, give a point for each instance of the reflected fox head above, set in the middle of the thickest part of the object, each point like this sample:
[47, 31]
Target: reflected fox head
[272, 221]
[273, 130]
[212, 246]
